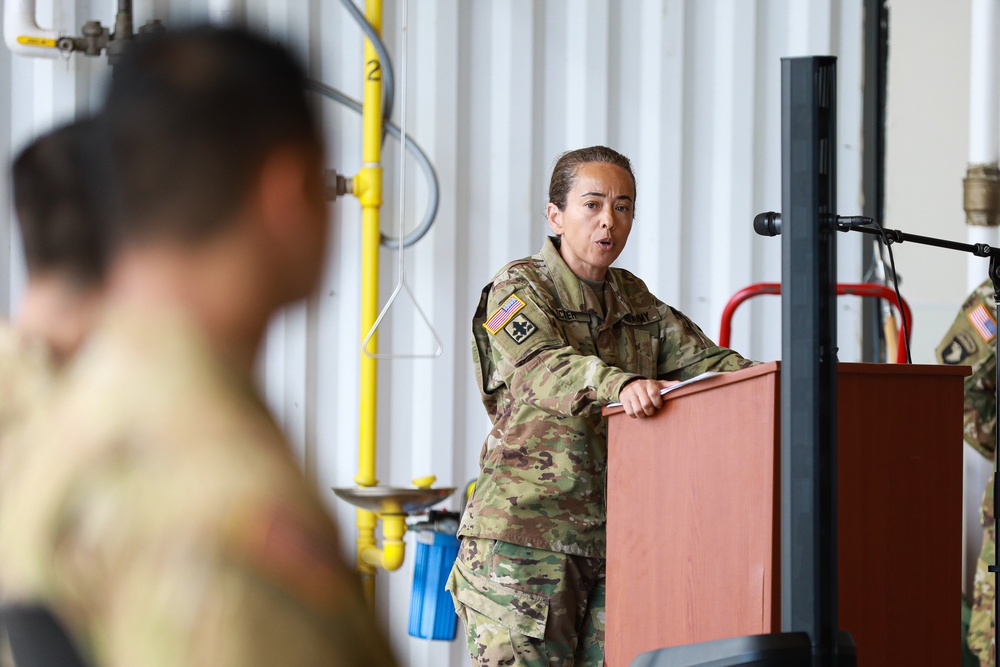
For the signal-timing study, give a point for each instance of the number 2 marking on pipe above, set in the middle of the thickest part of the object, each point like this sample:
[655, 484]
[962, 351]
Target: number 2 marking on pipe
[374, 70]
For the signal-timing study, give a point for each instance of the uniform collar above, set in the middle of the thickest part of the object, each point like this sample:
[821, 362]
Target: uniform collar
[572, 295]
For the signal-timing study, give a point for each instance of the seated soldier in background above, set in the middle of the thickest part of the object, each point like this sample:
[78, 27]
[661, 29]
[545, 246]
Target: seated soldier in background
[970, 342]
[158, 509]
[57, 213]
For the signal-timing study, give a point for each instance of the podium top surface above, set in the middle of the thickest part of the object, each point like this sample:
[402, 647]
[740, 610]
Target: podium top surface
[775, 366]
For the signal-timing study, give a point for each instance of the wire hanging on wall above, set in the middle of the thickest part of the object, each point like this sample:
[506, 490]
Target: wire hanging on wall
[401, 284]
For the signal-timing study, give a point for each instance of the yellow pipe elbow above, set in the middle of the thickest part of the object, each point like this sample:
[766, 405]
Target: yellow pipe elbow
[393, 546]
[393, 552]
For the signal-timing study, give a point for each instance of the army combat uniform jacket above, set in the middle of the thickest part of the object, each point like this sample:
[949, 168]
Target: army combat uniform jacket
[157, 510]
[970, 342]
[549, 353]
[26, 374]
[26, 377]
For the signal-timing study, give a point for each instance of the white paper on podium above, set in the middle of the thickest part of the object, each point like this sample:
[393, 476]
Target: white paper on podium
[684, 383]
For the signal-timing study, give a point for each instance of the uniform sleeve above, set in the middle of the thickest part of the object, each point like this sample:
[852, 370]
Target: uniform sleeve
[980, 410]
[285, 597]
[272, 593]
[252, 579]
[540, 366]
[685, 351]
[970, 342]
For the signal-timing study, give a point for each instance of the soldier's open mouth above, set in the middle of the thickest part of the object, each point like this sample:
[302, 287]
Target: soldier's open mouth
[606, 244]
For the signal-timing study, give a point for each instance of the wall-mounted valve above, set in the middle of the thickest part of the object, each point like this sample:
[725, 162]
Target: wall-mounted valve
[337, 185]
[95, 38]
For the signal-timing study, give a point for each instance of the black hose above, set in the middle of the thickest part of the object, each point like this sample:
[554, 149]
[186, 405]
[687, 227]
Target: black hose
[433, 188]
[388, 77]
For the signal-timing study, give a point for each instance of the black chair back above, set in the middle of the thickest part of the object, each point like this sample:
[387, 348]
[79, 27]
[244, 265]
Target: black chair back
[37, 638]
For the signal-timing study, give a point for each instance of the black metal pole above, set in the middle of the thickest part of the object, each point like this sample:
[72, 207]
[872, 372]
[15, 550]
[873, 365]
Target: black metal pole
[873, 159]
[809, 353]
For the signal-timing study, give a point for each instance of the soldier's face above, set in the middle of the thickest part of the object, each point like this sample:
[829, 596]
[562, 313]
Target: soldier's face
[597, 220]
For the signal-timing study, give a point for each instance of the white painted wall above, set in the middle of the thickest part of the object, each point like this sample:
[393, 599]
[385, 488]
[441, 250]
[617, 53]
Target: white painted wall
[689, 89]
[927, 150]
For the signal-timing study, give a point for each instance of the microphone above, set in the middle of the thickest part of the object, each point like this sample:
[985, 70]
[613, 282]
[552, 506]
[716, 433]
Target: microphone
[767, 224]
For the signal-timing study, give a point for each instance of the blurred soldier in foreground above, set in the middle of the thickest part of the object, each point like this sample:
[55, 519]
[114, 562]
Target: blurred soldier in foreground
[64, 249]
[158, 509]
[970, 342]
[58, 214]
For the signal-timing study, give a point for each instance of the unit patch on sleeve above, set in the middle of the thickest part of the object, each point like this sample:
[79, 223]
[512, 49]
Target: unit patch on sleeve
[520, 329]
[959, 349]
[983, 322]
[503, 314]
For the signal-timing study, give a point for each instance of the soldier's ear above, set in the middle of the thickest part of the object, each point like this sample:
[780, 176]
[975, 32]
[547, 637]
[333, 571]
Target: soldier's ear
[554, 216]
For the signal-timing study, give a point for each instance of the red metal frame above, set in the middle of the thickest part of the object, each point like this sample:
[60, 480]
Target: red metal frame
[853, 289]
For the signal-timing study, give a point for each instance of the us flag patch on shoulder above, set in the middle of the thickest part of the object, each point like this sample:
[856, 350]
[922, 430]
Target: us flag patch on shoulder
[503, 314]
[983, 322]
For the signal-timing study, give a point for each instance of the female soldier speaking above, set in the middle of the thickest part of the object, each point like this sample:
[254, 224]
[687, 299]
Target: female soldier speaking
[557, 336]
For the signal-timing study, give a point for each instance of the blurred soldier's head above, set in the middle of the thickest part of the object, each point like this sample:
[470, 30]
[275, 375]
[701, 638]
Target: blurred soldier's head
[57, 197]
[214, 145]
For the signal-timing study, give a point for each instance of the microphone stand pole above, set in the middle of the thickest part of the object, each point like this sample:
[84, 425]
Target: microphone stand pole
[890, 236]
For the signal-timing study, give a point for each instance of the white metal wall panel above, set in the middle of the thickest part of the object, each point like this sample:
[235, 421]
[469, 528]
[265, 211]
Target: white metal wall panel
[690, 90]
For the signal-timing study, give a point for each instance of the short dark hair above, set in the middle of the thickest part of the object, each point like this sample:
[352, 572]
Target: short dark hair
[564, 171]
[192, 116]
[57, 197]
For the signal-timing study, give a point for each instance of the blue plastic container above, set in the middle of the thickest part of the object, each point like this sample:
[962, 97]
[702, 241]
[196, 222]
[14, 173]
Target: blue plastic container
[432, 614]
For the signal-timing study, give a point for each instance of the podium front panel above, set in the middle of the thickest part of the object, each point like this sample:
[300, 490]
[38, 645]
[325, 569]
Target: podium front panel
[694, 509]
[692, 517]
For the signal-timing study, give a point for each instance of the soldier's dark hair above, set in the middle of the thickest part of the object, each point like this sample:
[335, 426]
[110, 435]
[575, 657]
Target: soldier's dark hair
[58, 204]
[191, 118]
[564, 171]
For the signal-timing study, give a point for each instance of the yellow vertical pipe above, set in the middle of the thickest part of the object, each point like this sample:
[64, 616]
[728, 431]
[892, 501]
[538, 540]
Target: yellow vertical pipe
[370, 181]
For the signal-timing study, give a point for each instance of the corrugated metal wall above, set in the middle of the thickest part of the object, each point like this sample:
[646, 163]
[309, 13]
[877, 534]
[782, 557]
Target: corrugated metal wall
[689, 89]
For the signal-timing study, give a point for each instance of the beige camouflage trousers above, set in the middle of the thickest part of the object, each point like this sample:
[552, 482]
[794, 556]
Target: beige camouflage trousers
[526, 607]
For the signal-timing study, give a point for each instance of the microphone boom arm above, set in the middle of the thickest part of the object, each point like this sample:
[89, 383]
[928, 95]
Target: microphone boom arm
[890, 236]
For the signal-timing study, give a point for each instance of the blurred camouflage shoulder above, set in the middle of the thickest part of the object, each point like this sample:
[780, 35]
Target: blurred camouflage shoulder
[971, 342]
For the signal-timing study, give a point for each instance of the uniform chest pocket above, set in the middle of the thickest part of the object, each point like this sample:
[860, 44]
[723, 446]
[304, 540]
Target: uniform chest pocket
[644, 355]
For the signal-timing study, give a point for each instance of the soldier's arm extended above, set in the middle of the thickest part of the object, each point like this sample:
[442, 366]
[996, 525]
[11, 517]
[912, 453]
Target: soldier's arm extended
[539, 365]
[685, 351]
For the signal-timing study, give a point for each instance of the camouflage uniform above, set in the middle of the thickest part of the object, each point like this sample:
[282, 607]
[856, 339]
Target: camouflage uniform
[159, 512]
[970, 341]
[548, 354]
[26, 372]
[26, 375]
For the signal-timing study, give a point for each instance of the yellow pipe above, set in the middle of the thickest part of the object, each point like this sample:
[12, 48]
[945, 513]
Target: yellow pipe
[368, 187]
[390, 556]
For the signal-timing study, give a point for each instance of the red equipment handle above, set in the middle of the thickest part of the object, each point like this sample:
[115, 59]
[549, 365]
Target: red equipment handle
[853, 289]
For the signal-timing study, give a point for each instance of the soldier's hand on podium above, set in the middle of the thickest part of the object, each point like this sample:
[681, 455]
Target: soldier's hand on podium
[641, 398]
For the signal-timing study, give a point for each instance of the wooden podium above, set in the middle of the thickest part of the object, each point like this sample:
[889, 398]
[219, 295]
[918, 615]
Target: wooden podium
[694, 500]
